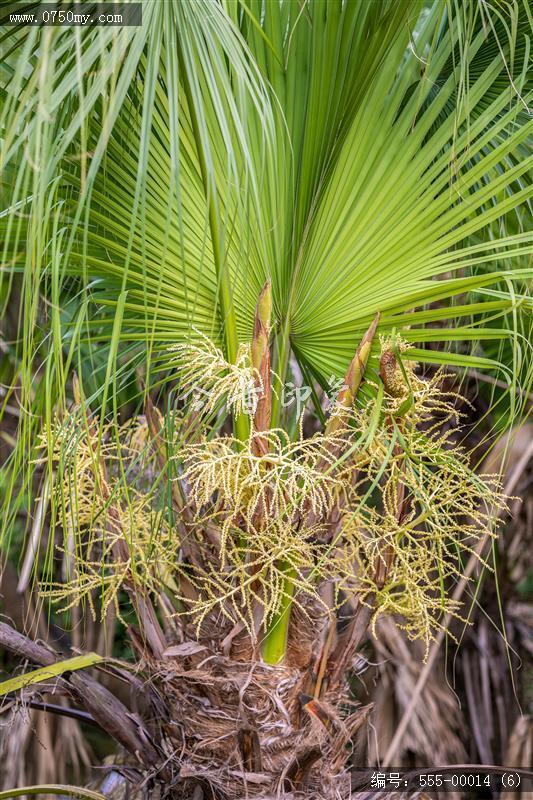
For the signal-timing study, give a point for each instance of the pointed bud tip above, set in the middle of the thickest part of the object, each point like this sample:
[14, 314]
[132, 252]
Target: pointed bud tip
[264, 304]
[374, 324]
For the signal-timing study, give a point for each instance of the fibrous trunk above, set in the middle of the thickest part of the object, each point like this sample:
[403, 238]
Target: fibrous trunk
[234, 727]
[215, 724]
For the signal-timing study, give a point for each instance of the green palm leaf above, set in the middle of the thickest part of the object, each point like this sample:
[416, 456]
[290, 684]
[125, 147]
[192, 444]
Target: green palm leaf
[178, 165]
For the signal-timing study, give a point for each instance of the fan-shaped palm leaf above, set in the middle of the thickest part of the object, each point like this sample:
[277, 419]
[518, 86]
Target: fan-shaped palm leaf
[170, 169]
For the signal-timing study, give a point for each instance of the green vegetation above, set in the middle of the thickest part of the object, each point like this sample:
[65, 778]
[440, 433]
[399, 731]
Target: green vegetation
[253, 250]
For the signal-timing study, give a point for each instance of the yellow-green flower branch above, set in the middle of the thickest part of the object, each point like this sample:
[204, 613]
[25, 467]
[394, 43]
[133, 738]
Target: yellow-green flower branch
[377, 505]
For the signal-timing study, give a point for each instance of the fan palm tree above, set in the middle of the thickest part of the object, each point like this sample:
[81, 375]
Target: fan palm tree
[341, 187]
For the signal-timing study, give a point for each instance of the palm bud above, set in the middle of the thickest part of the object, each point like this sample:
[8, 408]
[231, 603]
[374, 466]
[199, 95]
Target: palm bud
[354, 375]
[76, 389]
[261, 333]
[391, 374]
[155, 423]
[261, 364]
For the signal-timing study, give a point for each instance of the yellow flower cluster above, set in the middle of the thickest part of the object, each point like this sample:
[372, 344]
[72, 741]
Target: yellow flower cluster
[382, 506]
[112, 533]
[207, 378]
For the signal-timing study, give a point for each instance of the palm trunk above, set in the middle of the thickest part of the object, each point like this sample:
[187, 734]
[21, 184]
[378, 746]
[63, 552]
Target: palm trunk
[218, 726]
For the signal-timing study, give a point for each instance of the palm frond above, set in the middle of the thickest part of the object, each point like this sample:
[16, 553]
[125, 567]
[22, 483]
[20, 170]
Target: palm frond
[157, 176]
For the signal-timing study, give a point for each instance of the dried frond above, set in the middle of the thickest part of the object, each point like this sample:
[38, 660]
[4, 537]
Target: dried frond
[434, 731]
